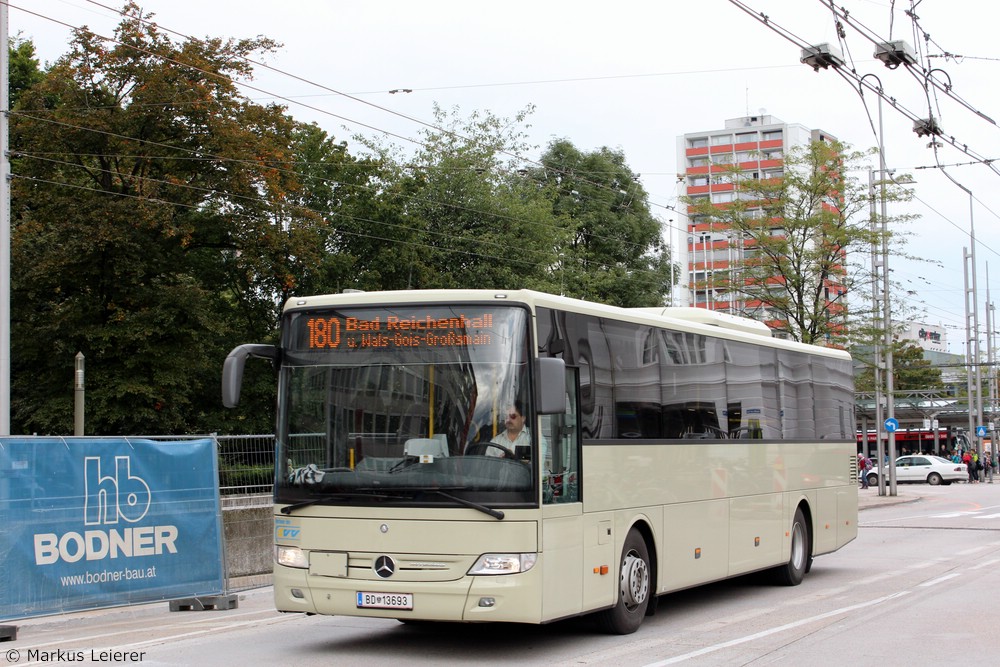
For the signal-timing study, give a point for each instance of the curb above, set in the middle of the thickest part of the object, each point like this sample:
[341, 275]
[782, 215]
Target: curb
[869, 502]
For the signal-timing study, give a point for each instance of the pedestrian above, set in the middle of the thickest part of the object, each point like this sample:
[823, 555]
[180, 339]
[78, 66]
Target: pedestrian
[864, 465]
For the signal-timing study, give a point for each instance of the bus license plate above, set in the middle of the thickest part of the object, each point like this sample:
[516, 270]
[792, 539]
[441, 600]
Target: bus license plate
[385, 600]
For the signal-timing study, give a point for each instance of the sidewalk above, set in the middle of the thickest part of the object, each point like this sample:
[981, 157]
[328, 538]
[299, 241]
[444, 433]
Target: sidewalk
[870, 498]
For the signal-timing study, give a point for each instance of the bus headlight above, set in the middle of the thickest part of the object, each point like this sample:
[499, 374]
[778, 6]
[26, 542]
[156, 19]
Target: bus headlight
[290, 556]
[503, 563]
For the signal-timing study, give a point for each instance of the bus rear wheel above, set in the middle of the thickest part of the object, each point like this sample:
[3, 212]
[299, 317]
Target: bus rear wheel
[634, 588]
[792, 572]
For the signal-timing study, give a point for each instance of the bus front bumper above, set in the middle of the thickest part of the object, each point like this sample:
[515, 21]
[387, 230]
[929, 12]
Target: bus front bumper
[512, 598]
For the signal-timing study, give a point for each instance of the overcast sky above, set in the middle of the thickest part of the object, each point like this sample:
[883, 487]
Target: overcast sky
[635, 75]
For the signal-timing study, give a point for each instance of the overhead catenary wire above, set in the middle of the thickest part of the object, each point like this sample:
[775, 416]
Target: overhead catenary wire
[862, 83]
[858, 80]
[929, 80]
[319, 110]
[330, 90]
[923, 74]
[211, 157]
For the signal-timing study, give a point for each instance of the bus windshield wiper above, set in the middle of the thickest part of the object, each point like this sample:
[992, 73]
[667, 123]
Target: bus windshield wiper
[496, 514]
[288, 509]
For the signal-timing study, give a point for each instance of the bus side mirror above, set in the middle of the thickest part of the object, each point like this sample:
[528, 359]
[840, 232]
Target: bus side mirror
[232, 369]
[551, 396]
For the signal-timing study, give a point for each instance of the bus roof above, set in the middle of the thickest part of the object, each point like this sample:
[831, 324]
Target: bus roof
[695, 320]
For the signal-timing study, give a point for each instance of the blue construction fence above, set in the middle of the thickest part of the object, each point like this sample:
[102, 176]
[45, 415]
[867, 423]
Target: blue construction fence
[96, 522]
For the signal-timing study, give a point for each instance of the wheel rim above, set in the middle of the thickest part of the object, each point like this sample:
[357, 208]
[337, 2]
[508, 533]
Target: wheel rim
[635, 580]
[798, 546]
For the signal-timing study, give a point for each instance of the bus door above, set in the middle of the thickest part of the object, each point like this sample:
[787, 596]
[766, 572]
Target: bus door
[563, 539]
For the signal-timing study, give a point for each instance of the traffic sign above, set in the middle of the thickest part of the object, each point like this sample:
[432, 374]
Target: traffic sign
[981, 431]
[891, 425]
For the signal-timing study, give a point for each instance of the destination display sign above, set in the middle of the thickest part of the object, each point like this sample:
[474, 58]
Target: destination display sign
[378, 329]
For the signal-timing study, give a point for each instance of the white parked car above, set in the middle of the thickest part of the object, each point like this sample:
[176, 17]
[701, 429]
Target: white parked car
[924, 468]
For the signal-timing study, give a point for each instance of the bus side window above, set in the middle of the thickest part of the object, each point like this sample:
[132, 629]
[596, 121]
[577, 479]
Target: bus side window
[562, 431]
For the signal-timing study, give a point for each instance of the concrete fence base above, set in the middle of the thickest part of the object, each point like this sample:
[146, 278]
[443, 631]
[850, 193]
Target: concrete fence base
[248, 526]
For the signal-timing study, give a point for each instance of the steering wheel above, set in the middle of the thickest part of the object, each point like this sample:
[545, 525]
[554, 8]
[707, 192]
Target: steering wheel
[475, 450]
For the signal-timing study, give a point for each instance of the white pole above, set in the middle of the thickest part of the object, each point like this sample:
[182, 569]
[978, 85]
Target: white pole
[4, 227]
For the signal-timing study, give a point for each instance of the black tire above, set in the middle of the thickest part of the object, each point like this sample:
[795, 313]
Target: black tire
[635, 589]
[872, 480]
[934, 479]
[792, 572]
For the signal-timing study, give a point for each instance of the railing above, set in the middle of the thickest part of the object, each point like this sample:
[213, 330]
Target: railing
[246, 464]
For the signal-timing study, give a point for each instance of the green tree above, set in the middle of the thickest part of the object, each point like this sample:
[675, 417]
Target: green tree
[457, 213]
[805, 241]
[23, 70]
[614, 252]
[157, 222]
[911, 371]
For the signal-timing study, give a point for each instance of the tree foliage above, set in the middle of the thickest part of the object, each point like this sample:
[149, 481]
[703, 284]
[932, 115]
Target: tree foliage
[155, 225]
[614, 252]
[159, 218]
[23, 70]
[805, 241]
[457, 214]
[911, 372]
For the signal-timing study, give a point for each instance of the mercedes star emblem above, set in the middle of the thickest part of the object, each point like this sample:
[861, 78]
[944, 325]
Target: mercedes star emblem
[384, 567]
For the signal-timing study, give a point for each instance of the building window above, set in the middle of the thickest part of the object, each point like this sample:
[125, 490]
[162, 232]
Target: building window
[772, 135]
[722, 139]
[698, 142]
[722, 197]
[695, 181]
[746, 137]
[699, 161]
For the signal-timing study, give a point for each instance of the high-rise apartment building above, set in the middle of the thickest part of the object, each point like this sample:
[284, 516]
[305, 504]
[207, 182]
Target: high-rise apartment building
[712, 254]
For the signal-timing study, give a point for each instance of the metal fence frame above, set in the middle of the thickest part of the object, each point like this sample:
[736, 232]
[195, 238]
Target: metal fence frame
[246, 489]
[246, 462]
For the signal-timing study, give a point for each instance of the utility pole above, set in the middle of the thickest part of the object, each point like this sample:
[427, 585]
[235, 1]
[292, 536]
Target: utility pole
[990, 375]
[877, 352]
[4, 225]
[973, 354]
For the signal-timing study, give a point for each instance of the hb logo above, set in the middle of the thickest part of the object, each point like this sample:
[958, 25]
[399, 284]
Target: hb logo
[113, 496]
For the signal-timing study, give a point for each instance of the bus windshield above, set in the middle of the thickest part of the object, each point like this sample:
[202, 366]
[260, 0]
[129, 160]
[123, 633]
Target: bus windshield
[406, 404]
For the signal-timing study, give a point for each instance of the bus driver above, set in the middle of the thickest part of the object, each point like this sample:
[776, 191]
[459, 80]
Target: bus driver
[516, 435]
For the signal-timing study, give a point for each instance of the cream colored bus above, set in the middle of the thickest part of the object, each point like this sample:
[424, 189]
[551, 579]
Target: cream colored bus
[514, 456]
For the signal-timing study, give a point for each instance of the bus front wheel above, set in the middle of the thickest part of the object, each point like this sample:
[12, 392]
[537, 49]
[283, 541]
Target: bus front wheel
[634, 588]
[792, 572]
